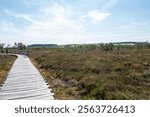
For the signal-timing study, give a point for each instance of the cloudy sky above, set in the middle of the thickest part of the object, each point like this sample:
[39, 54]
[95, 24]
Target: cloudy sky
[74, 21]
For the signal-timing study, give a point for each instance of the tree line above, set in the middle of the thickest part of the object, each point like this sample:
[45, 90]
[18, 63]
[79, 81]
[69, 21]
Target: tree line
[17, 48]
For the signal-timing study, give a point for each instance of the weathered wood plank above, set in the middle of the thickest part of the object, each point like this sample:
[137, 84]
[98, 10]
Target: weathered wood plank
[25, 89]
[37, 97]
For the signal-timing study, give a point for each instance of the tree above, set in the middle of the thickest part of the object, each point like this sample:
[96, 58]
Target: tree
[22, 46]
[2, 45]
[15, 45]
[109, 47]
[7, 48]
[19, 46]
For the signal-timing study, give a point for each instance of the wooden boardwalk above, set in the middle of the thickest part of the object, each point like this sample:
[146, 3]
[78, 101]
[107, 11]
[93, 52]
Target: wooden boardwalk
[24, 82]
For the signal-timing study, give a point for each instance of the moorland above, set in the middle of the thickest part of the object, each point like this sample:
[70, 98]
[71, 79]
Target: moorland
[105, 72]
[5, 65]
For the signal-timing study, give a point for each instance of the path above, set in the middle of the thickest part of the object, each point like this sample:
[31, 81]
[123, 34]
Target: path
[24, 82]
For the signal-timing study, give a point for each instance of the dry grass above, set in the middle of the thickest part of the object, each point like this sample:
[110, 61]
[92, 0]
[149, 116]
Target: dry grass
[5, 65]
[97, 74]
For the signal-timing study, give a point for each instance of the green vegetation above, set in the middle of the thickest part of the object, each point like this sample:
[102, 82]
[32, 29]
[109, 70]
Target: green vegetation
[43, 46]
[96, 72]
[5, 65]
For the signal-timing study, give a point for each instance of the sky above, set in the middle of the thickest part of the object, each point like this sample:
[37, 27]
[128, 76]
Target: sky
[74, 21]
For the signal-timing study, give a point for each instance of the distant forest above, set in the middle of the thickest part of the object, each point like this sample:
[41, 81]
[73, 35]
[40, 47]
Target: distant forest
[104, 46]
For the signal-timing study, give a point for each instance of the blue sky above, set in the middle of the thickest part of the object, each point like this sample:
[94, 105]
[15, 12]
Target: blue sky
[74, 21]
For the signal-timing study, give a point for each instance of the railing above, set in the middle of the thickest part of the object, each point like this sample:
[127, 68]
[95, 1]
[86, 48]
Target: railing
[6, 51]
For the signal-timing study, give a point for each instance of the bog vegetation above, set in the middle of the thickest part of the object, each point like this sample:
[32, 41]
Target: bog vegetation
[5, 65]
[102, 71]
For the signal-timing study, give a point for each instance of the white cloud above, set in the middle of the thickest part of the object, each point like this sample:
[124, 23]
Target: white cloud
[27, 3]
[56, 19]
[109, 4]
[8, 27]
[96, 15]
[61, 24]
[5, 26]
[66, 22]
[57, 10]
[62, 1]
[9, 33]
[26, 17]
[55, 25]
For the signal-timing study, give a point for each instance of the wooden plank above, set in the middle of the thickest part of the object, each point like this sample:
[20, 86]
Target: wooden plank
[30, 82]
[27, 93]
[39, 97]
[35, 97]
[26, 76]
[23, 81]
[23, 87]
